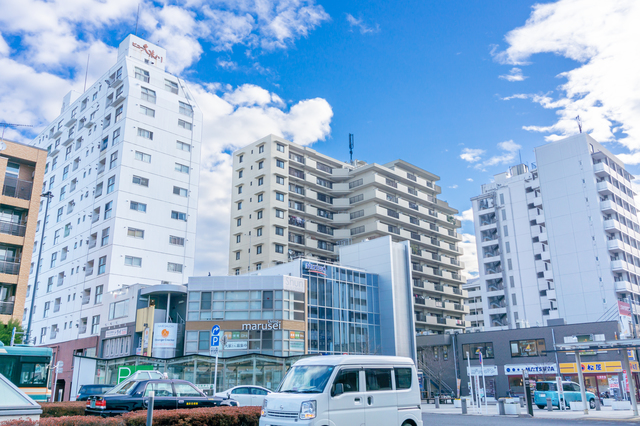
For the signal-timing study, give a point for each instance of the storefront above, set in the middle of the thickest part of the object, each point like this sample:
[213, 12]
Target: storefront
[600, 377]
[537, 372]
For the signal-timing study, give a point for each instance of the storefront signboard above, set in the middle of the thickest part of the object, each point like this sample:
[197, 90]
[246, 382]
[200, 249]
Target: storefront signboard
[165, 335]
[314, 267]
[613, 382]
[293, 284]
[489, 370]
[597, 367]
[296, 335]
[270, 325]
[296, 345]
[542, 368]
[115, 333]
[236, 345]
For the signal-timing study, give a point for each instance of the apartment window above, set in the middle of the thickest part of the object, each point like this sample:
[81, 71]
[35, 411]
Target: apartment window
[54, 163]
[118, 309]
[474, 350]
[514, 301]
[280, 180]
[148, 95]
[135, 233]
[142, 74]
[183, 146]
[141, 207]
[511, 282]
[180, 191]
[279, 248]
[176, 241]
[531, 347]
[238, 238]
[98, 298]
[185, 109]
[174, 267]
[355, 183]
[237, 255]
[504, 214]
[43, 333]
[65, 173]
[147, 111]
[279, 230]
[260, 165]
[259, 249]
[279, 196]
[280, 164]
[502, 199]
[145, 133]
[108, 209]
[239, 221]
[280, 147]
[240, 158]
[240, 189]
[54, 257]
[67, 230]
[260, 213]
[324, 167]
[258, 266]
[111, 184]
[358, 230]
[260, 197]
[182, 168]
[133, 261]
[357, 214]
[102, 264]
[95, 324]
[240, 174]
[49, 285]
[106, 122]
[507, 247]
[324, 182]
[137, 180]
[171, 86]
[105, 237]
[98, 190]
[59, 215]
[116, 137]
[259, 232]
[178, 215]
[506, 231]
[185, 124]
[51, 181]
[280, 214]
[355, 199]
[509, 264]
[63, 192]
[119, 111]
[45, 313]
[260, 181]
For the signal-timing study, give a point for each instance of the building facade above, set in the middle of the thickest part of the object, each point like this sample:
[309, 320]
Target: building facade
[289, 201]
[21, 173]
[559, 241]
[123, 171]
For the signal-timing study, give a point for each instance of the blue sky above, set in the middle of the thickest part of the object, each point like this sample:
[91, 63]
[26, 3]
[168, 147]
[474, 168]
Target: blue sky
[424, 81]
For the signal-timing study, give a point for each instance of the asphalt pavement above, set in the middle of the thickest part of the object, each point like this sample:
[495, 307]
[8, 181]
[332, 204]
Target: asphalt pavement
[460, 420]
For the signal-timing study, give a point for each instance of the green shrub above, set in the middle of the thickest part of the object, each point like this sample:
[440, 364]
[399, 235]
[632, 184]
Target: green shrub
[59, 409]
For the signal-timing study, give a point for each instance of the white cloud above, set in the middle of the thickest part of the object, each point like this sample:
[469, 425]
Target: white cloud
[515, 74]
[604, 88]
[228, 65]
[466, 216]
[453, 186]
[361, 26]
[469, 180]
[469, 255]
[472, 155]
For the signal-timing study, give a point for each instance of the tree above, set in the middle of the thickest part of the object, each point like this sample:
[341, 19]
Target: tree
[7, 329]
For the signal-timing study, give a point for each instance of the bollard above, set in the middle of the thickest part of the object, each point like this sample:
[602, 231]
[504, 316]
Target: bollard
[152, 395]
[463, 404]
[521, 400]
[598, 404]
[549, 405]
[437, 401]
[501, 411]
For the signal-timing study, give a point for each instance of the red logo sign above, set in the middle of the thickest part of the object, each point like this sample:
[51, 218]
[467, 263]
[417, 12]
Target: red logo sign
[151, 53]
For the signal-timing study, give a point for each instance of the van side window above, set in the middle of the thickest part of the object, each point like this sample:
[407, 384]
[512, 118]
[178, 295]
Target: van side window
[378, 379]
[349, 380]
[403, 378]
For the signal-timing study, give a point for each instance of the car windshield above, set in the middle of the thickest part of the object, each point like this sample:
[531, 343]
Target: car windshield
[545, 387]
[124, 388]
[306, 379]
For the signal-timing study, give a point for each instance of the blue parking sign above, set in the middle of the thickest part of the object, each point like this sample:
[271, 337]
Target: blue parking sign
[215, 341]
[215, 330]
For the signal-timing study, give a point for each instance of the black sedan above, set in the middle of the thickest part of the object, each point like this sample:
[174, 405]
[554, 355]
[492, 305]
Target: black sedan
[134, 395]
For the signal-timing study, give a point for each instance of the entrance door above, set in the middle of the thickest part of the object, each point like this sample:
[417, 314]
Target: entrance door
[381, 401]
[59, 396]
[347, 408]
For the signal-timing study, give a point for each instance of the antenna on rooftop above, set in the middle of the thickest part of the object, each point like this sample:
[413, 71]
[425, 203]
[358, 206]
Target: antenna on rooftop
[351, 145]
[520, 155]
[579, 123]
[86, 73]
[5, 125]
[137, 17]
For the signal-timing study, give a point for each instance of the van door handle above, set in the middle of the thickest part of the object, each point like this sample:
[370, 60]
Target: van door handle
[369, 400]
[356, 400]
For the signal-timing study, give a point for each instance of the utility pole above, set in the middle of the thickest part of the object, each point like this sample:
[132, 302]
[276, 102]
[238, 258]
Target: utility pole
[49, 196]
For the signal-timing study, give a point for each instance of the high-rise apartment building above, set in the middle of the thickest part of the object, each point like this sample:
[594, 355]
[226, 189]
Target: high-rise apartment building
[290, 201]
[123, 171]
[21, 173]
[560, 241]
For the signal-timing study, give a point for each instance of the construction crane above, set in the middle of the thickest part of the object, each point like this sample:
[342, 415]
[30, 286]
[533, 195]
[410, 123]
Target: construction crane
[5, 125]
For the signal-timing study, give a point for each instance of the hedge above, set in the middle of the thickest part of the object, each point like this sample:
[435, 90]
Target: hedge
[216, 416]
[59, 409]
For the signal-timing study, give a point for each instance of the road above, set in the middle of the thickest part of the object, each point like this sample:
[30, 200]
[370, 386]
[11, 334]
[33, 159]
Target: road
[460, 420]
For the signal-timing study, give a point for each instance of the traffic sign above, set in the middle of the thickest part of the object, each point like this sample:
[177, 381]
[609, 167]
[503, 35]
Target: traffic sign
[215, 341]
[215, 330]
[214, 350]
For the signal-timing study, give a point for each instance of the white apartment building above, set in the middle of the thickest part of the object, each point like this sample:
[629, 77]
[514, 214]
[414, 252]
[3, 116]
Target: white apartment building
[559, 241]
[123, 171]
[290, 201]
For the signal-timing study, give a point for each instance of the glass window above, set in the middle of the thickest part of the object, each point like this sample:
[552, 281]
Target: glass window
[474, 350]
[349, 380]
[33, 374]
[403, 378]
[378, 379]
[534, 347]
[161, 389]
[185, 389]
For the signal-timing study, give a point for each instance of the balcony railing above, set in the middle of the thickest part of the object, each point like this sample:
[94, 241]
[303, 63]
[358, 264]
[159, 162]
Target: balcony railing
[393, 213]
[415, 236]
[419, 300]
[17, 188]
[86, 300]
[421, 317]
[392, 183]
[418, 284]
[414, 220]
[11, 268]
[416, 267]
[6, 308]
[442, 320]
[12, 228]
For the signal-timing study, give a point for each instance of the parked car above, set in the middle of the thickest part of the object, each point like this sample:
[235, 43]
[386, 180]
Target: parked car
[246, 395]
[86, 391]
[570, 391]
[133, 395]
[346, 390]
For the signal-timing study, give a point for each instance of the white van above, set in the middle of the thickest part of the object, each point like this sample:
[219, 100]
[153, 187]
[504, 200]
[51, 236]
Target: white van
[346, 390]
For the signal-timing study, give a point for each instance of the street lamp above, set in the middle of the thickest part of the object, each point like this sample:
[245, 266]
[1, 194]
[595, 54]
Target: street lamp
[49, 196]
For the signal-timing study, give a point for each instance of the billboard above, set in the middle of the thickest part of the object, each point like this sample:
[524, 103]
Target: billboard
[165, 335]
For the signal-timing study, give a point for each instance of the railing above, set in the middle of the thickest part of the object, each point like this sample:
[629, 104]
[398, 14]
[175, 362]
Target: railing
[412, 177]
[6, 308]
[414, 220]
[419, 300]
[412, 191]
[296, 239]
[456, 291]
[413, 206]
[393, 213]
[442, 320]
[392, 198]
[12, 228]
[296, 221]
[437, 272]
[394, 229]
[433, 227]
[418, 284]
[415, 236]
[17, 188]
[416, 267]
[438, 287]
[421, 317]
[11, 268]
[456, 277]
[392, 183]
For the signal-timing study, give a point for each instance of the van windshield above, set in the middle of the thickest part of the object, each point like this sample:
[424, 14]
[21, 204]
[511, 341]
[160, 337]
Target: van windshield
[306, 379]
[545, 386]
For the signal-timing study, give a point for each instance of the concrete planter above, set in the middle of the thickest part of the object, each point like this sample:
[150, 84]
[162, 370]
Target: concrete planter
[576, 405]
[512, 409]
[621, 405]
[457, 403]
[607, 402]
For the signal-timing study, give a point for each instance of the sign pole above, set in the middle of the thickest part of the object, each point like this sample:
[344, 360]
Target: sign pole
[215, 347]
[484, 385]
[470, 378]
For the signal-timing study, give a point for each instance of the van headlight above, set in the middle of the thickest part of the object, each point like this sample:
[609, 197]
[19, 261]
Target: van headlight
[263, 412]
[308, 410]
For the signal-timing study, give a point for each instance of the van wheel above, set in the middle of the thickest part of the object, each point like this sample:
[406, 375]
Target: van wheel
[542, 407]
[407, 424]
[567, 406]
[592, 404]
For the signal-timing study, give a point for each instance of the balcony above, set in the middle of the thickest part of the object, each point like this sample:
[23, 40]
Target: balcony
[11, 228]
[615, 245]
[17, 188]
[118, 100]
[6, 308]
[11, 268]
[607, 206]
[604, 187]
[619, 265]
[419, 300]
[296, 221]
[601, 169]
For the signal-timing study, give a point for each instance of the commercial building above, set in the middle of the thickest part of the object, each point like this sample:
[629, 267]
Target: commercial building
[506, 353]
[290, 201]
[559, 241]
[21, 174]
[123, 171]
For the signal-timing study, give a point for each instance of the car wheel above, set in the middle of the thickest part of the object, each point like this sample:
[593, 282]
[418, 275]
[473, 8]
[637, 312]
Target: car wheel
[592, 404]
[541, 407]
[567, 405]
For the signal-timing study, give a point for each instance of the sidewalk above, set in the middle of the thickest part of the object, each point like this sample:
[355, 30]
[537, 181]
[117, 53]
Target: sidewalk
[607, 413]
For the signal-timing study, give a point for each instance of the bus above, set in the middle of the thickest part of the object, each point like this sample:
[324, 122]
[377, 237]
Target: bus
[27, 367]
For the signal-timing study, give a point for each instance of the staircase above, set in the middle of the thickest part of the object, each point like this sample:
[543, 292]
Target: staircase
[442, 386]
